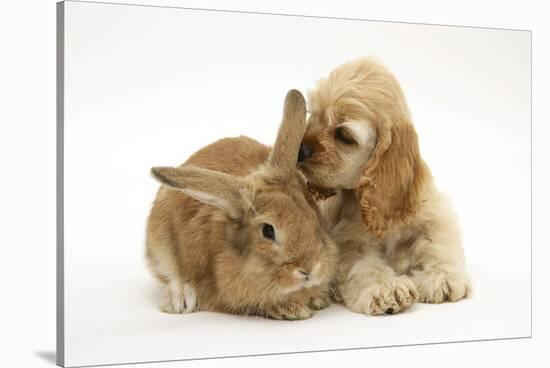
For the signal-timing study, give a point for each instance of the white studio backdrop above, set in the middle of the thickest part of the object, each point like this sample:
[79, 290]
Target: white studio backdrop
[148, 86]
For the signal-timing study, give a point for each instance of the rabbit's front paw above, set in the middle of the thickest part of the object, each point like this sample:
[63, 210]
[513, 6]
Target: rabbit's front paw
[391, 296]
[291, 311]
[178, 298]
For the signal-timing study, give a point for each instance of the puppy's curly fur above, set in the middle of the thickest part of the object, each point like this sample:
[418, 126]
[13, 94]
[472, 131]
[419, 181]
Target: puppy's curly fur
[398, 235]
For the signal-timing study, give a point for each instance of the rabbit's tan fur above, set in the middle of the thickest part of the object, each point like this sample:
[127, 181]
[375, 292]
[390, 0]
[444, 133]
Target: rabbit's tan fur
[398, 236]
[204, 233]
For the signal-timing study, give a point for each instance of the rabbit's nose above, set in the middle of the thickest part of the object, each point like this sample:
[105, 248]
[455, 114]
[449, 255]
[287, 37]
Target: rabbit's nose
[306, 274]
[305, 152]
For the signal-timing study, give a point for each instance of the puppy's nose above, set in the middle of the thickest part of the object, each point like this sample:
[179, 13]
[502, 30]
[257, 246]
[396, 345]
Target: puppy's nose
[305, 152]
[306, 274]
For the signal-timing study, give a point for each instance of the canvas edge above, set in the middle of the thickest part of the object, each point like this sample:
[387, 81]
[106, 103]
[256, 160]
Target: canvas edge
[60, 107]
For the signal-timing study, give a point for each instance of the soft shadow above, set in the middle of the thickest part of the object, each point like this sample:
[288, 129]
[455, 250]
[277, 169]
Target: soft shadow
[48, 356]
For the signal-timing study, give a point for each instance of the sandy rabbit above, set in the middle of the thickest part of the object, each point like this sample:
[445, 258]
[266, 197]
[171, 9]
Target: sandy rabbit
[235, 230]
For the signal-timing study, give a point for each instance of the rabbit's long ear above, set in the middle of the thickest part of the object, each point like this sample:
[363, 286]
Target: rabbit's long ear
[208, 186]
[291, 132]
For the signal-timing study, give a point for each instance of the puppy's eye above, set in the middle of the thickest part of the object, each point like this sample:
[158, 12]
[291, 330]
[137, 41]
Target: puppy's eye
[344, 136]
[268, 231]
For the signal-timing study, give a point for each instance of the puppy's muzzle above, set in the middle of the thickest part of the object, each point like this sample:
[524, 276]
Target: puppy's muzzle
[305, 152]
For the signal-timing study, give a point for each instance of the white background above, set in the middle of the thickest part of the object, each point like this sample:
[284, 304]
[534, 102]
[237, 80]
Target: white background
[30, 289]
[142, 96]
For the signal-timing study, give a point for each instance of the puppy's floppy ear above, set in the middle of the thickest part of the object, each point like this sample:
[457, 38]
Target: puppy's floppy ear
[390, 188]
[285, 150]
[211, 187]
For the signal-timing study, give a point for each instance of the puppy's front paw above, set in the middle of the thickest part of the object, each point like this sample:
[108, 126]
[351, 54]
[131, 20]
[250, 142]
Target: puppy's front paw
[178, 299]
[319, 302]
[291, 311]
[441, 285]
[391, 296]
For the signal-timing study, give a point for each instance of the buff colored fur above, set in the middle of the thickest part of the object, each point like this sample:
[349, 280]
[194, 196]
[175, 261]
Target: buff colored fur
[204, 233]
[398, 236]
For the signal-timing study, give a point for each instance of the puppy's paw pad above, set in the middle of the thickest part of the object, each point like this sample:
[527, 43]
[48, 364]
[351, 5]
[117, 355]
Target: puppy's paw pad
[441, 286]
[178, 299]
[389, 297]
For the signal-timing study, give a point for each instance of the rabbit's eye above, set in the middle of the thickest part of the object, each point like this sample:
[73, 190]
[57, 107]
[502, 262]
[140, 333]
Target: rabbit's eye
[268, 231]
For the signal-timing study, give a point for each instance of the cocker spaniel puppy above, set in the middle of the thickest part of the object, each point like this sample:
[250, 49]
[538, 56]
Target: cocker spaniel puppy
[398, 235]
